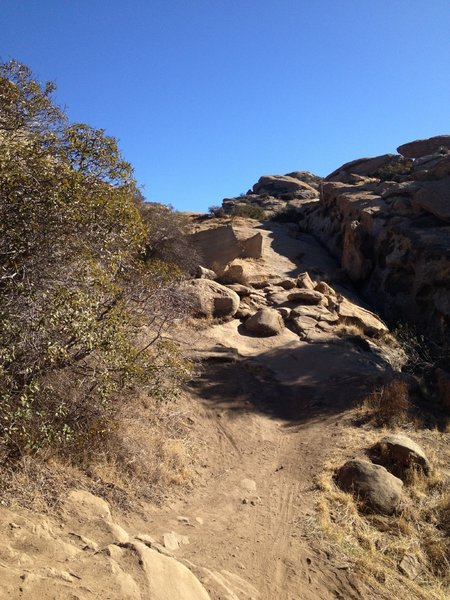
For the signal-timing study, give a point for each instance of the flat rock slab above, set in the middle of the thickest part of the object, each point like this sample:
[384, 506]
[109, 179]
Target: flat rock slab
[305, 296]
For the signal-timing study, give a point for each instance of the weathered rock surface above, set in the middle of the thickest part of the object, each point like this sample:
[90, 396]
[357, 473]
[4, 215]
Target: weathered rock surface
[372, 484]
[305, 296]
[204, 273]
[420, 148]
[391, 232]
[217, 247]
[353, 314]
[281, 184]
[399, 453]
[211, 299]
[265, 322]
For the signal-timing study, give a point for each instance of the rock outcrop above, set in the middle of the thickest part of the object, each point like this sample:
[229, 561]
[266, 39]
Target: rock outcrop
[387, 220]
[275, 193]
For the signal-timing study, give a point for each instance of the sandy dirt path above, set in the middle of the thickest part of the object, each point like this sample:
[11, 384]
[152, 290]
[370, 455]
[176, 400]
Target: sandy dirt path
[267, 423]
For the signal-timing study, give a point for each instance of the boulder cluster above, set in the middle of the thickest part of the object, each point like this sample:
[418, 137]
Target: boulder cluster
[275, 193]
[386, 219]
[378, 485]
[310, 309]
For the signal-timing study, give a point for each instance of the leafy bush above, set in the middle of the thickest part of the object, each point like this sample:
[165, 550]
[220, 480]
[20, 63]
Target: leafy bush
[75, 288]
[399, 168]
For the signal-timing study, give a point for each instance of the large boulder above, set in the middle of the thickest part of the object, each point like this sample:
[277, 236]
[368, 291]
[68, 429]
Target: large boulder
[305, 296]
[352, 314]
[420, 148]
[399, 454]
[282, 184]
[366, 167]
[252, 247]
[265, 322]
[217, 247]
[434, 197]
[211, 299]
[373, 485]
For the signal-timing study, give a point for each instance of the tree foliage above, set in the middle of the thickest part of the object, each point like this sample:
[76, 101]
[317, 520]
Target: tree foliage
[76, 293]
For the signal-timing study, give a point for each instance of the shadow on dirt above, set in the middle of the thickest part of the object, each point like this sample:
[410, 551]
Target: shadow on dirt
[296, 383]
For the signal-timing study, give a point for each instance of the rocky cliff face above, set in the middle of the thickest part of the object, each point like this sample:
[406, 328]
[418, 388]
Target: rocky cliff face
[387, 220]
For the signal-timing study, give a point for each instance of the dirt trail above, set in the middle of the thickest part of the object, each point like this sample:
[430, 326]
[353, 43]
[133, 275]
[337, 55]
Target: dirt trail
[267, 422]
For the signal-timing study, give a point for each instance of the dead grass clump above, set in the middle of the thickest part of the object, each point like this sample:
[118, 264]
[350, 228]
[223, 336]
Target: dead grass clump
[348, 329]
[408, 554]
[147, 455]
[388, 404]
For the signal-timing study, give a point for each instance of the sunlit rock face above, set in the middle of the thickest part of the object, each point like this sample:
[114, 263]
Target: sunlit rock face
[387, 219]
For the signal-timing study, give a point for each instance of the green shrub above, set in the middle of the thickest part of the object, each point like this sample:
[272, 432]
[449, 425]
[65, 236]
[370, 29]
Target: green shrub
[289, 214]
[76, 290]
[249, 211]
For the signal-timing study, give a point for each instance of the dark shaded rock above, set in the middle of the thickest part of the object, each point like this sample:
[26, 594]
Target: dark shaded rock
[420, 148]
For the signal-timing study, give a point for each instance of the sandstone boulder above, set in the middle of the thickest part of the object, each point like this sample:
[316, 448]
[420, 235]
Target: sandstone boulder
[287, 284]
[241, 290]
[265, 322]
[420, 148]
[211, 299]
[434, 197]
[217, 247]
[305, 296]
[324, 288]
[302, 325]
[353, 314]
[252, 247]
[166, 578]
[281, 184]
[399, 453]
[373, 485]
[366, 167]
[233, 274]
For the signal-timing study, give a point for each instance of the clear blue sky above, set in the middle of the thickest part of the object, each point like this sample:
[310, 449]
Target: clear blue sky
[207, 95]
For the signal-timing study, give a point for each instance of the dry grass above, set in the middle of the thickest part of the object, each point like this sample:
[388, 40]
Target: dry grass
[376, 545]
[388, 404]
[148, 455]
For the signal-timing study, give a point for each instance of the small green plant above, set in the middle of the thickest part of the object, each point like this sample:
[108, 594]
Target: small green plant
[249, 211]
[288, 214]
[395, 169]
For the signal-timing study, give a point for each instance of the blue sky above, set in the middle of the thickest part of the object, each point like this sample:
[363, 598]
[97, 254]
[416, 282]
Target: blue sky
[207, 95]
